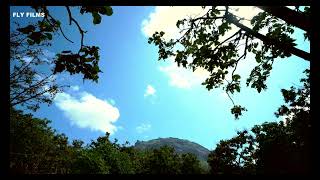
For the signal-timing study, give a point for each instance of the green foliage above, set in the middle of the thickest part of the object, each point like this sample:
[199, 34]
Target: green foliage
[190, 164]
[35, 148]
[96, 11]
[89, 162]
[271, 148]
[29, 84]
[86, 60]
[162, 161]
[40, 32]
[203, 40]
[237, 111]
[234, 156]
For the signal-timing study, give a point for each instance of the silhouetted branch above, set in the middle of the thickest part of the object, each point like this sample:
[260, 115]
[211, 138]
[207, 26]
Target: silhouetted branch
[71, 19]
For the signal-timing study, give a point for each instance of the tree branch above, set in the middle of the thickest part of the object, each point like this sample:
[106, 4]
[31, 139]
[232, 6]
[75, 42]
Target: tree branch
[30, 87]
[226, 40]
[60, 29]
[228, 94]
[295, 18]
[290, 49]
[71, 19]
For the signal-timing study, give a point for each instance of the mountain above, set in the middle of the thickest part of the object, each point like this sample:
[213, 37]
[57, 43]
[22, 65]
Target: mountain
[180, 145]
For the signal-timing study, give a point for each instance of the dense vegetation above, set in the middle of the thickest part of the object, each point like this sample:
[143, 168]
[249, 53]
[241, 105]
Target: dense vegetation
[276, 147]
[37, 148]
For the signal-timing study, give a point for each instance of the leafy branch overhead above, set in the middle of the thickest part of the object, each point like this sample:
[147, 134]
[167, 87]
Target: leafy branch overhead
[86, 60]
[204, 40]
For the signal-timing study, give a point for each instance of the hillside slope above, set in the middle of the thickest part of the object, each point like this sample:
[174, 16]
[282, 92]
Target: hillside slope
[180, 145]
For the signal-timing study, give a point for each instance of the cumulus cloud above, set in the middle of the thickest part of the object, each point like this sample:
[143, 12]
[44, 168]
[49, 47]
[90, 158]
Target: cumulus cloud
[143, 128]
[184, 78]
[87, 111]
[150, 91]
[164, 18]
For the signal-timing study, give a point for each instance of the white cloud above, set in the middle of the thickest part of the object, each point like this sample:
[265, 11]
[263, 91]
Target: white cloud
[45, 56]
[247, 12]
[87, 111]
[143, 128]
[150, 91]
[164, 18]
[184, 78]
[75, 88]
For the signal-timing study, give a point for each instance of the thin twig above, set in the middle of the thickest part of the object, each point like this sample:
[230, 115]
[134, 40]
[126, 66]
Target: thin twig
[228, 94]
[60, 29]
[71, 19]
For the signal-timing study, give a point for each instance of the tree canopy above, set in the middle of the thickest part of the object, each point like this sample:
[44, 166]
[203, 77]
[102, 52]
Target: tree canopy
[204, 39]
[271, 148]
[36, 148]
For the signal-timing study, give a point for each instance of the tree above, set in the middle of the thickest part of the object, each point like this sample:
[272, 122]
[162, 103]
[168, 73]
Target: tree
[29, 86]
[36, 148]
[203, 39]
[113, 155]
[274, 148]
[88, 161]
[86, 60]
[234, 156]
[190, 164]
[161, 161]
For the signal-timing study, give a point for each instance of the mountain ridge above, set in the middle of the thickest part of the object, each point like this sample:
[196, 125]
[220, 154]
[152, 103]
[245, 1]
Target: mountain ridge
[181, 146]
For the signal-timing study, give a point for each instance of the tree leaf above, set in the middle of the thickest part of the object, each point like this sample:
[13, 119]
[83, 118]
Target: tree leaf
[96, 18]
[49, 36]
[109, 10]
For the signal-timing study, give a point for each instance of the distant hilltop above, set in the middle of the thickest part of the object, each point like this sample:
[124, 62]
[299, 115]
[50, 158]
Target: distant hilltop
[181, 146]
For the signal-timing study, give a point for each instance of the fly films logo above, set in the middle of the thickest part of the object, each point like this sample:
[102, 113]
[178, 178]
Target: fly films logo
[28, 14]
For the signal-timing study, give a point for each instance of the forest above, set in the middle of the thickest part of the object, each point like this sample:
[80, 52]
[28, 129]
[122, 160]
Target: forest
[279, 147]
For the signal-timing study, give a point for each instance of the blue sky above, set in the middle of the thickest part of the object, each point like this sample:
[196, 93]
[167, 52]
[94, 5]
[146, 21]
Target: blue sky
[140, 98]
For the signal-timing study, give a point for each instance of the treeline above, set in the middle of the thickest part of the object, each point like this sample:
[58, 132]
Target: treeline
[270, 148]
[36, 148]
